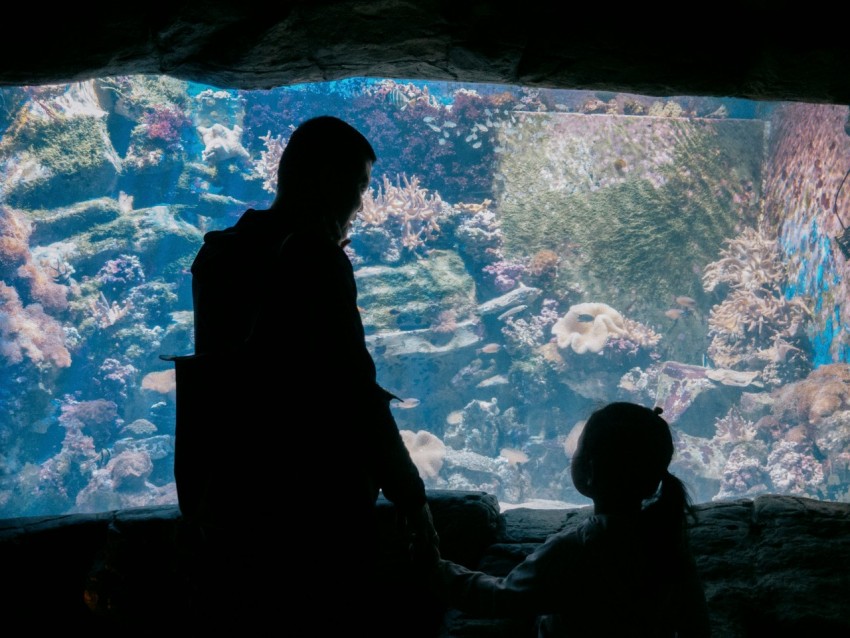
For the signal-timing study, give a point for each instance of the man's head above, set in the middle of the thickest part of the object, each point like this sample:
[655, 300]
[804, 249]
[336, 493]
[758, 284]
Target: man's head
[324, 170]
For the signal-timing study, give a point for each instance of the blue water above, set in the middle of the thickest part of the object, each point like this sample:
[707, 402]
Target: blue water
[518, 204]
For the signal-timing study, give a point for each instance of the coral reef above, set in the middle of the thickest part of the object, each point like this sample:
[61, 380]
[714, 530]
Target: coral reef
[533, 332]
[806, 162]
[588, 327]
[222, 143]
[28, 332]
[267, 164]
[403, 214]
[426, 450]
[505, 212]
[756, 326]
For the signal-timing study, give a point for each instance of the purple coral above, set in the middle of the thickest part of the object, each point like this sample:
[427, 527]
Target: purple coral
[116, 377]
[165, 122]
[118, 274]
[506, 274]
[534, 331]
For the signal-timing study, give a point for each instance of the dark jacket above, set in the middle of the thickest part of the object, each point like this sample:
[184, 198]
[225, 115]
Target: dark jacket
[314, 426]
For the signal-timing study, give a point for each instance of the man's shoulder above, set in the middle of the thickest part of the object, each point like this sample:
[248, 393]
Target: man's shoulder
[246, 237]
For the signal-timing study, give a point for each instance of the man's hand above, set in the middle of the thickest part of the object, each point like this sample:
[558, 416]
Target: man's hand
[424, 540]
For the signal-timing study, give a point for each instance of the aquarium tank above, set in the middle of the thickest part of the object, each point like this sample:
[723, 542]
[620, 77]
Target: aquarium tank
[523, 256]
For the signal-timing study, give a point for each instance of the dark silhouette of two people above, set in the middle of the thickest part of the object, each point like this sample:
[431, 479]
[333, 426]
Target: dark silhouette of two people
[285, 439]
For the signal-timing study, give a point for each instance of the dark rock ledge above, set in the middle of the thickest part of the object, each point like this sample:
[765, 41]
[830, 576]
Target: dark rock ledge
[772, 566]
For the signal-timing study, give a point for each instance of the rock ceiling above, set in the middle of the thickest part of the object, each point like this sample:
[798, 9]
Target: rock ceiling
[755, 50]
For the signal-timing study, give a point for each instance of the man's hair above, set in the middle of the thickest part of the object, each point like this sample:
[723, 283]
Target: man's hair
[320, 150]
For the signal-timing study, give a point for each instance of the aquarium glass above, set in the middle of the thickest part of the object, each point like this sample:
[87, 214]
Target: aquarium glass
[523, 256]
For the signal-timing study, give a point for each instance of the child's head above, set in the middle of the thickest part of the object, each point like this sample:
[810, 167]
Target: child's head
[623, 453]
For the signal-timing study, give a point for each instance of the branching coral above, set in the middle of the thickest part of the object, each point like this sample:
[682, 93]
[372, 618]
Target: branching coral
[755, 324]
[506, 274]
[733, 428]
[17, 261]
[108, 314]
[266, 166]
[750, 261]
[404, 209]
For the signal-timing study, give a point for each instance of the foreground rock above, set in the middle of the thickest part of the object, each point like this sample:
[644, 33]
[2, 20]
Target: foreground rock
[775, 565]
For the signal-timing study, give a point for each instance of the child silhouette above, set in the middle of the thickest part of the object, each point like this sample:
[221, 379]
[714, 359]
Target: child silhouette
[627, 571]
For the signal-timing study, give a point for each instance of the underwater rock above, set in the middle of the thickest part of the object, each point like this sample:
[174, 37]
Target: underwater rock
[478, 430]
[424, 342]
[57, 224]
[681, 386]
[468, 470]
[62, 152]
[416, 295]
[222, 143]
[156, 447]
[138, 428]
[521, 295]
[699, 463]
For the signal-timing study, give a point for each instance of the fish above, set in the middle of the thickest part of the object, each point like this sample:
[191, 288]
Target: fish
[687, 302]
[675, 313]
[498, 379]
[398, 99]
[407, 404]
[490, 348]
[620, 165]
[513, 456]
[476, 145]
[586, 318]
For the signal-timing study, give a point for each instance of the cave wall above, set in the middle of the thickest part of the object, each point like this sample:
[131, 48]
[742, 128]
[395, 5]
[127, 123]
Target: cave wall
[754, 50]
